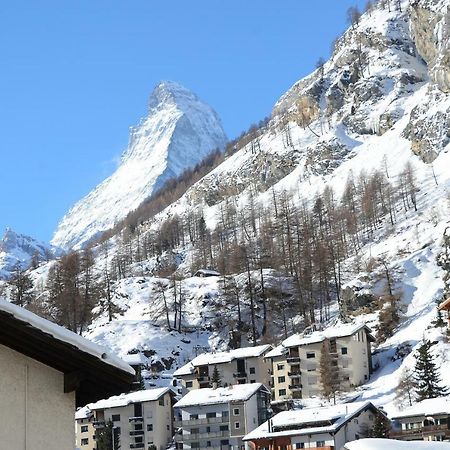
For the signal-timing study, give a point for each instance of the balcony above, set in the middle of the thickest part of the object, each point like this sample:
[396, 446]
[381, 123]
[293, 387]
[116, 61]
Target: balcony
[137, 445]
[295, 374]
[98, 424]
[293, 359]
[202, 436]
[204, 421]
[136, 432]
[420, 432]
[239, 375]
[136, 419]
[295, 387]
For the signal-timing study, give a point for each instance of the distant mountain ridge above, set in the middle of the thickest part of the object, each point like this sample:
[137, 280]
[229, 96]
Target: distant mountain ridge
[178, 132]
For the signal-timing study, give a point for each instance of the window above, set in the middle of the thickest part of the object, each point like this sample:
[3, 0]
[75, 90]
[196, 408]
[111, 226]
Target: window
[138, 439]
[223, 428]
[237, 425]
[299, 445]
[280, 366]
[224, 413]
[344, 350]
[85, 441]
[161, 401]
[236, 412]
[320, 444]
[281, 379]
[115, 417]
[310, 355]
[224, 442]
[189, 384]
[208, 429]
[84, 429]
[149, 427]
[210, 415]
[138, 426]
[252, 381]
[208, 443]
[252, 370]
[282, 392]
[193, 417]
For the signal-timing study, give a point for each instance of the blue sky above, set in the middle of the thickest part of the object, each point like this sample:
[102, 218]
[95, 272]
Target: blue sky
[76, 74]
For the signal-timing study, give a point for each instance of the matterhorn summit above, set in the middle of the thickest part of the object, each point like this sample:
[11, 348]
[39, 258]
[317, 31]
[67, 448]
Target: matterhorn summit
[178, 132]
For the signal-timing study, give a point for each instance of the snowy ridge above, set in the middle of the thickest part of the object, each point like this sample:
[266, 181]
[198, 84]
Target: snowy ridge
[19, 249]
[179, 131]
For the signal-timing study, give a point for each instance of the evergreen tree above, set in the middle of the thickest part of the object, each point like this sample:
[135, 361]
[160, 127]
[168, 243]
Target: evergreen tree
[21, 286]
[329, 372]
[381, 427]
[216, 381]
[108, 438]
[426, 374]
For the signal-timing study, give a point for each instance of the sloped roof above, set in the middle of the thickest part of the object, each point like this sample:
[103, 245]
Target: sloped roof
[89, 369]
[210, 396]
[428, 407]
[147, 395]
[221, 357]
[325, 419]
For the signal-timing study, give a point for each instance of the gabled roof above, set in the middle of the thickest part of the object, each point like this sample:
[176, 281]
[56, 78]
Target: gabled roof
[147, 395]
[428, 407]
[221, 357]
[210, 396]
[89, 369]
[326, 419]
[340, 330]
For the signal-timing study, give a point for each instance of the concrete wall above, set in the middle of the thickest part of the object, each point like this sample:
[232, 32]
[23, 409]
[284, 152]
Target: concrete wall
[35, 412]
[81, 436]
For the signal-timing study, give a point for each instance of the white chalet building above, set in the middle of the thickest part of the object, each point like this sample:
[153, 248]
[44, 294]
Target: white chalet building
[239, 366]
[219, 418]
[323, 428]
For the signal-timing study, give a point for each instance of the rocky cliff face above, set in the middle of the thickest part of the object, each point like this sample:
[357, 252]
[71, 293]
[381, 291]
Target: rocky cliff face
[179, 131]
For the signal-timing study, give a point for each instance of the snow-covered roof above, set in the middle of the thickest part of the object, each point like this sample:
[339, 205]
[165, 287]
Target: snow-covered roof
[208, 272]
[221, 357]
[336, 331]
[147, 395]
[391, 444]
[83, 413]
[428, 407]
[323, 419]
[135, 359]
[279, 350]
[210, 396]
[64, 335]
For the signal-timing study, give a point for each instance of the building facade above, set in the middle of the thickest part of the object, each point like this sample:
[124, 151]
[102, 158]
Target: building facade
[219, 418]
[45, 372]
[296, 362]
[324, 428]
[428, 420]
[240, 366]
[141, 419]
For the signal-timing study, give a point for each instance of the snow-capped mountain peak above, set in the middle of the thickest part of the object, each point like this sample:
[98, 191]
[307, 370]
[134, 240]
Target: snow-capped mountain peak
[21, 249]
[178, 132]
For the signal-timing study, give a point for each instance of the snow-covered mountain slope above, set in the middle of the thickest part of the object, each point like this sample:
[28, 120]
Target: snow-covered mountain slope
[379, 103]
[178, 132]
[21, 249]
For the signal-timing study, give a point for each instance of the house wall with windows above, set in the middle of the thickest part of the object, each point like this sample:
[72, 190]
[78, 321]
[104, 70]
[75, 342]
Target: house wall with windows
[232, 369]
[85, 433]
[138, 424]
[296, 367]
[221, 425]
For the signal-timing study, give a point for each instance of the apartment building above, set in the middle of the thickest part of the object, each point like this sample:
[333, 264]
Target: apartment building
[296, 362]
[323, 428]
[239, 366]
[46, 371]
[141, 419]
[219, 418]
[85, 433]
[428, 420]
